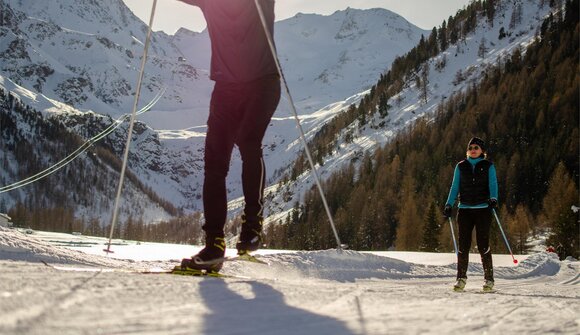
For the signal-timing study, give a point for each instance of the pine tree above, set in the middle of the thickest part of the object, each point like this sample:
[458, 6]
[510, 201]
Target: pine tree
[482, 51]
[519, 229]
[490, 10]
[424, 83]
[443, 42]
[431, 231]
[129, 231]
[517, 14]
[409, 219]
[384, 105]
[564, 223]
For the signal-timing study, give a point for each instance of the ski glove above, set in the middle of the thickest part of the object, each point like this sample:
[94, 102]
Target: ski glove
[492, 203]
[447, 211]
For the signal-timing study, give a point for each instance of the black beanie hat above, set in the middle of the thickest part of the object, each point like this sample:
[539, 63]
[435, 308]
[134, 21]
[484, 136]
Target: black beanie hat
[477, 141]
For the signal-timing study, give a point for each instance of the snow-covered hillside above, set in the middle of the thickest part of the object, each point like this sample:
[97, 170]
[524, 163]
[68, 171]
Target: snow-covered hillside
[330, 62]
[321, 292]
[70, 169]
[455, 69]
[326, 58]
[86, 55]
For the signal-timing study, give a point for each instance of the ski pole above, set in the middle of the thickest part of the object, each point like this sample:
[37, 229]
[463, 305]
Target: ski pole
[453, 235]
[302, 135]
[131, 123]
[503, 234]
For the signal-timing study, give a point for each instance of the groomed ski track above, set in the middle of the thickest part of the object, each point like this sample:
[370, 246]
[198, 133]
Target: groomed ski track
[319, 292]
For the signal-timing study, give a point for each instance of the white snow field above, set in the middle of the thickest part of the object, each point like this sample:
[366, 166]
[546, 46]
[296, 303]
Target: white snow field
[317, 292]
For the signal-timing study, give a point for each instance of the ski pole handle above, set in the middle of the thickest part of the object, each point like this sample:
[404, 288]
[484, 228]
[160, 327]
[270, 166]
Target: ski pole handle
[453, 235]
[504, 237]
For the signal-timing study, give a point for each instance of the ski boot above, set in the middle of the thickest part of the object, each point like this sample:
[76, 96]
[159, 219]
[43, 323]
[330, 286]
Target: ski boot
[209, 260]
[459, 284]
[488, 285]
[250, 237]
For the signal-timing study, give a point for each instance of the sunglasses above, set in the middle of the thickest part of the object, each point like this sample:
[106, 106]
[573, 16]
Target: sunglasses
[475, 147]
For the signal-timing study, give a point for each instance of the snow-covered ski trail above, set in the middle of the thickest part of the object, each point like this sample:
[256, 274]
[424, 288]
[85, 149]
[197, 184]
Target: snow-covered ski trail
[316, 292]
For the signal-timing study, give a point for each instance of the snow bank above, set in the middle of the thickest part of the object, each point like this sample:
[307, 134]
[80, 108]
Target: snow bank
[350, 266]
[19, 246]
[540, 264]
[344, 266]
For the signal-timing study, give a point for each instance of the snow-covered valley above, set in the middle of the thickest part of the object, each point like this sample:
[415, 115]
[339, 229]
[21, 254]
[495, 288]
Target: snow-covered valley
[318, 292]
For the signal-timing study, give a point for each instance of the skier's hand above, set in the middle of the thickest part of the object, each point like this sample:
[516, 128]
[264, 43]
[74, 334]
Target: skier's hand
[492, 203]
[447, 211]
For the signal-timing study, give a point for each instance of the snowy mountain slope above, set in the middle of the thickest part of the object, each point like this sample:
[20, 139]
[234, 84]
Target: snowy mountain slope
[31, 141]
[463, 68]
[85, 54]
[355, 47]
[320, 292]
[326, 58]
[161, 168]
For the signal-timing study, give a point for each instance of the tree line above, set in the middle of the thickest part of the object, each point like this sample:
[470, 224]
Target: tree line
[184, 229]
[526, 108]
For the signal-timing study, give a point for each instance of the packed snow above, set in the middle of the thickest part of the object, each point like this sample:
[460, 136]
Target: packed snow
[297, 292]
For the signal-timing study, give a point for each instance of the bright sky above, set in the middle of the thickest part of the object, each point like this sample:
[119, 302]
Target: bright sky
[170, 15]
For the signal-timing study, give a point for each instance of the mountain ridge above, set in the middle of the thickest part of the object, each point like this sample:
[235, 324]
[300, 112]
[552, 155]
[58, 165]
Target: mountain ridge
[92, 67]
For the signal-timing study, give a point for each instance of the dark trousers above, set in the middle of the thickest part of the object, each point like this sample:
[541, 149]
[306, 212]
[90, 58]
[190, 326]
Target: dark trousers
[239, 114]
[467, 219]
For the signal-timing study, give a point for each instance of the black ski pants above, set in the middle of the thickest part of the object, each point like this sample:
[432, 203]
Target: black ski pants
[480, 219]
[239, 114]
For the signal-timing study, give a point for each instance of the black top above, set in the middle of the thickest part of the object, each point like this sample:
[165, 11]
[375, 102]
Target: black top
[239, 46]
[474, 182]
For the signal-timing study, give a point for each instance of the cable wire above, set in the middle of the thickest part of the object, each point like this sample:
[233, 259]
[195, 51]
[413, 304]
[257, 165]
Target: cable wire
[84, 147]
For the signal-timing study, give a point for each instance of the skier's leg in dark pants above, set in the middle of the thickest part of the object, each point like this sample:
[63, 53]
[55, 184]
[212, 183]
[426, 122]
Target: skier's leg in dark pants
[262, 99]
[466, 223]
[222, 126]
[239, 113]
[482, 228]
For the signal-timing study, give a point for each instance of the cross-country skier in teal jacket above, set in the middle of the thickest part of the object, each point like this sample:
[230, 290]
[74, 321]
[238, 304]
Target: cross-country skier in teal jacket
[475, 185]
